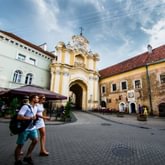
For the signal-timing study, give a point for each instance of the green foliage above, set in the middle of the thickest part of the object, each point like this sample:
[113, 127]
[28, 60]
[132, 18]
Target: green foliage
[14, 104]
[67, 109]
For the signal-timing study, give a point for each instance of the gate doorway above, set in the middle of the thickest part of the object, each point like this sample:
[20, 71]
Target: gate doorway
[78, 95]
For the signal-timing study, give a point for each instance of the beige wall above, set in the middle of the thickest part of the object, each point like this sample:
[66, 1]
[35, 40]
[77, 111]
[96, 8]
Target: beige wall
[141, 95]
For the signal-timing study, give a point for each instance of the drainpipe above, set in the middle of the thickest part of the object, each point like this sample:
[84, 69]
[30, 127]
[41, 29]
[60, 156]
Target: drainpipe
[149, 91]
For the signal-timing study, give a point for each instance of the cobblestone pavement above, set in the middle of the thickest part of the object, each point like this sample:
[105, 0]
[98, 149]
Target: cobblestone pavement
[96, 139]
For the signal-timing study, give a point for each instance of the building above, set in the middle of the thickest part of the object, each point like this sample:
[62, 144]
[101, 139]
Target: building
[74, 73]
[23, 62]
[138, 81]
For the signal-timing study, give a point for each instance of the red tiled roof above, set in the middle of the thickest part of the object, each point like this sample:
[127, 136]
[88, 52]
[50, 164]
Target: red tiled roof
[135, 62]
[27, 43]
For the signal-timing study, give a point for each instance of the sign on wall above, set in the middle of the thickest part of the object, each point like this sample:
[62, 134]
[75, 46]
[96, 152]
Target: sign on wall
[131, 95]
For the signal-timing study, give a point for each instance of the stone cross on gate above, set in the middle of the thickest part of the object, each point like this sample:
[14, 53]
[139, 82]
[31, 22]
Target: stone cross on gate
[81, 30]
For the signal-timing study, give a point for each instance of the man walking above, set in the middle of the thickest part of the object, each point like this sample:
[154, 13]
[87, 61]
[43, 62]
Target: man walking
[27, 112]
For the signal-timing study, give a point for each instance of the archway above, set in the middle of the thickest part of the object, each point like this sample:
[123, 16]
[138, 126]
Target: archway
[103, 104]
[162, 109]
[133, 108]
[122, 107]
[78, 95]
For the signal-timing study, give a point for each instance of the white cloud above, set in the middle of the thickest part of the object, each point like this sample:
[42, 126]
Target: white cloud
[47, 15]
[156, 33]
[98, 4]
[47, 23]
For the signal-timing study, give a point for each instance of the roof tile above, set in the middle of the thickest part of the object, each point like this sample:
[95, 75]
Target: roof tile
[135, 62]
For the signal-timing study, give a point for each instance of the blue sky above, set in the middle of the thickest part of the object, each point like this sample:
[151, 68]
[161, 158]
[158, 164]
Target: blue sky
[116, 29]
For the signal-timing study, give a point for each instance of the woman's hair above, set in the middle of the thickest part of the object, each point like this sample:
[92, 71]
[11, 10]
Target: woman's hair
[32, 97]
[41, 96]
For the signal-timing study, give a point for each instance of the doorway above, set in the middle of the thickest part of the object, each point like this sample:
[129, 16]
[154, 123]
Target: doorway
[78, 95]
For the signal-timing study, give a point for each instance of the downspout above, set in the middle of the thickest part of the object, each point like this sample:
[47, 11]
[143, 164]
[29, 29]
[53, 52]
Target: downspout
[149, 90]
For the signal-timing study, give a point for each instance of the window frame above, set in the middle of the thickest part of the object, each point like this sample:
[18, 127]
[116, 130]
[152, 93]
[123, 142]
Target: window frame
[28, 78]
[112, 87]
[162, 81]
[121, 87]
[21, 57]
[103, 87]
[17, 76]
[32, 61]
[140, 85]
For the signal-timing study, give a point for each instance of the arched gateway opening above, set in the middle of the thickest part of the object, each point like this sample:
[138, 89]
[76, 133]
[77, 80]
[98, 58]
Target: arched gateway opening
[78, 95]
[162, 109]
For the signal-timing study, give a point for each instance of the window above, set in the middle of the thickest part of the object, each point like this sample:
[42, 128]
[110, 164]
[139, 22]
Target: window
[1, 37]
[162, 78]
[21, 57]
[17, 76]
[32, 61]
[114, 87]
[137, 84]
[28, 79]
[124, 85]
[103, 89]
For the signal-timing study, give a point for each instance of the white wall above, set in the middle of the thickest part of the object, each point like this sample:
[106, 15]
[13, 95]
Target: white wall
[9, 63]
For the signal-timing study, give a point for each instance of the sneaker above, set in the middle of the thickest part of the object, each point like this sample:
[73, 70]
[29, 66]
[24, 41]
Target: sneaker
[28, 160]
[18, 162]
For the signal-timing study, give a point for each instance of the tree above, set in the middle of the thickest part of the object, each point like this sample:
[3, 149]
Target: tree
[67, 109]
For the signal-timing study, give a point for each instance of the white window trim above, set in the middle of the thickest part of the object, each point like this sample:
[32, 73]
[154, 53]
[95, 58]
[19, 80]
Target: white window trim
[20, 76]
[32, 60]
[160, 78]
[29, 79]
[134, 83]
[112, 87]
[19, 55]
[102, 89]
[121, 85]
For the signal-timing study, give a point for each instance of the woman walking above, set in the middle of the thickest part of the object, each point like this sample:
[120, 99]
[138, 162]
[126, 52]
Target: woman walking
[40, 125]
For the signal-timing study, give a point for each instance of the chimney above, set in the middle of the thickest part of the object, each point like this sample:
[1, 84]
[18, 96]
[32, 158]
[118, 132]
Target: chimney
[149, 47]
[43, 46]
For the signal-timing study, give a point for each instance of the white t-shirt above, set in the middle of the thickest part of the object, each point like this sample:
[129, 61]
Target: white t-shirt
[29, 111]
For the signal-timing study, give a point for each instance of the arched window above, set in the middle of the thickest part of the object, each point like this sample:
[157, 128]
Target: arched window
[17, 76]
[28, 79]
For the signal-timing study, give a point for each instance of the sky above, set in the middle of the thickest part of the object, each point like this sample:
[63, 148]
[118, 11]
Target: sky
[116, 29]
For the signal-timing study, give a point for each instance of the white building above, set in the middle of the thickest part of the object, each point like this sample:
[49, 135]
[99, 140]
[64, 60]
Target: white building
[22, 62]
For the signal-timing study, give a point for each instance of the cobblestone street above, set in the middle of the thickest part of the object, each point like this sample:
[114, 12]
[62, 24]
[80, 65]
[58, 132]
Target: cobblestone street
[94, 140]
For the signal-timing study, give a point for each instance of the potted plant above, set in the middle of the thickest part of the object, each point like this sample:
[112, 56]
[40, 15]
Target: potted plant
[142, 117]
[67, 114]
[120, 114]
